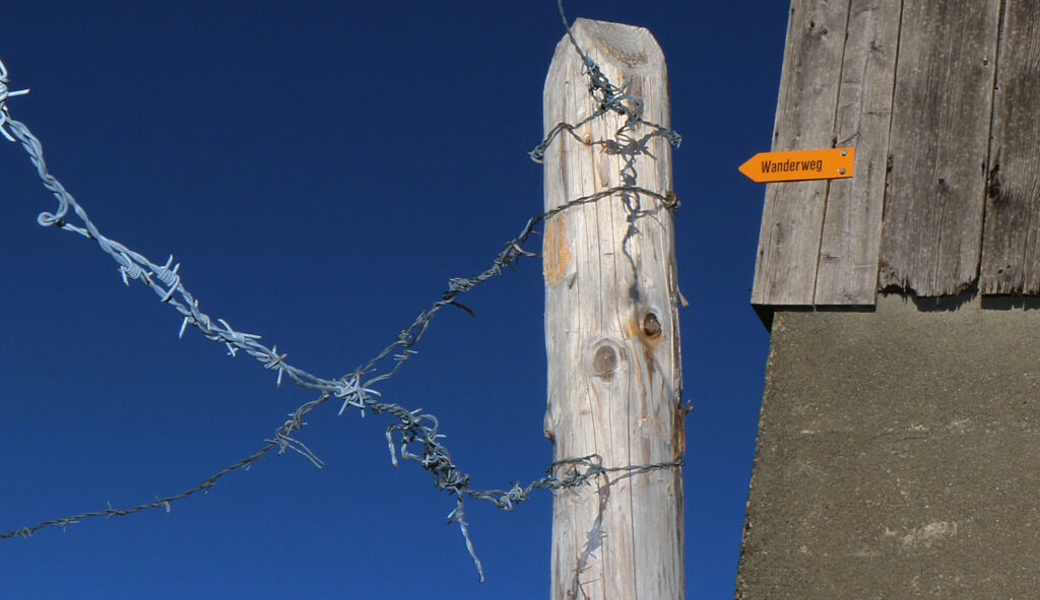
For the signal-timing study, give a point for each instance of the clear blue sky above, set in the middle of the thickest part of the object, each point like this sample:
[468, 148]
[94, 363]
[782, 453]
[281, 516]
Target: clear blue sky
[320, 169]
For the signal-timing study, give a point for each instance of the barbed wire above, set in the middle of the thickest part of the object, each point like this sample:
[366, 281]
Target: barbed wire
[609, 97]
[354, 389]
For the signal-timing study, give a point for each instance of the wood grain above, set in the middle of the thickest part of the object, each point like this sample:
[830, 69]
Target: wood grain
[612, 329]
[932, 228]
[848, 259]
[792, 219]
[1011, 240]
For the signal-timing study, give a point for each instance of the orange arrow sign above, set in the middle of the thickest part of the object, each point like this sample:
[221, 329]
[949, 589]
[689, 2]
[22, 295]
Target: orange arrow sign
[799, 165]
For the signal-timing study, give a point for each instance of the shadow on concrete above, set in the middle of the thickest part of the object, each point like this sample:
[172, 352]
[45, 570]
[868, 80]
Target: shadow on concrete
[765, 312]
[923, 304]
[944, 303]
[1010, 302]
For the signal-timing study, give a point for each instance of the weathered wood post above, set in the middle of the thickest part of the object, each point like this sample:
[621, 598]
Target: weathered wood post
[611, 325]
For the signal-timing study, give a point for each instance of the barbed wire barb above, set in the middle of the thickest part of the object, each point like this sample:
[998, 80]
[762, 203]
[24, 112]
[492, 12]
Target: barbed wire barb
[4, 95]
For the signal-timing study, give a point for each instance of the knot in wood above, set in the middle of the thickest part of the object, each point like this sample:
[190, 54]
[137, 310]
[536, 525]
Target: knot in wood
[651, 326]
[604, 363]
[604, 360]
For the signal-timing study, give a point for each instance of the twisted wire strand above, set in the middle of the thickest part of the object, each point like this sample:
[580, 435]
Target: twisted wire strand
[608, 96]
[355, 388]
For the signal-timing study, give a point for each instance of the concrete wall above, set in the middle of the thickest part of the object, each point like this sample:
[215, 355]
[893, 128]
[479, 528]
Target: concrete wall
[898, 455]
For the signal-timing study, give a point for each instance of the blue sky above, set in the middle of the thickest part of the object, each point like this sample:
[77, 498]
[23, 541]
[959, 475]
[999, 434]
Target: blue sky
[320, 169]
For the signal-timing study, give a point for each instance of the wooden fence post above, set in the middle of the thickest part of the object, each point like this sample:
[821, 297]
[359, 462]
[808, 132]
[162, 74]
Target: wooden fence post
[611, 327]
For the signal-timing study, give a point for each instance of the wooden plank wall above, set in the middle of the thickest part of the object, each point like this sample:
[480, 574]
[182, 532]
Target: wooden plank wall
[1011, 238]
[940, 128]
[940, 99]
[790, 236]
[847, 272]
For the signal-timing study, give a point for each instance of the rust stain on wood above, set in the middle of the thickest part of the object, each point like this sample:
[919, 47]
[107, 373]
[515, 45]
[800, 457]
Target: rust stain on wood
[679, 430]
[556, 251]
[646, 328]
[631, 327]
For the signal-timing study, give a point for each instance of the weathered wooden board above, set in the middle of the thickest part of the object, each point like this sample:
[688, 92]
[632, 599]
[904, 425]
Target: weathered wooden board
[792, 219]
[612, 328]
[848, 260]
[931, 240]
[1011, 241]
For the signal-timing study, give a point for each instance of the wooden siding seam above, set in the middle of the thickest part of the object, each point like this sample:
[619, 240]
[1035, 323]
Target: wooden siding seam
[992, 165]
[788, 250]
[834, 143]
[848, 257]
[837, 98]
[882, 266]
[1001, 24]
[891, 119]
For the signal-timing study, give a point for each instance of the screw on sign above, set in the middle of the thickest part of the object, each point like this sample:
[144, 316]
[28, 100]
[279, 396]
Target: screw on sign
[800, 165]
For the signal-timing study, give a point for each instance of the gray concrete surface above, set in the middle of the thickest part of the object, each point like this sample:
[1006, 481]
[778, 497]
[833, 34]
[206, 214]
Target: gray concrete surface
[898, 455]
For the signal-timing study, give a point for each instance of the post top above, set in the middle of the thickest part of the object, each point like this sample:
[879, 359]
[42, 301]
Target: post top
[628, 47]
